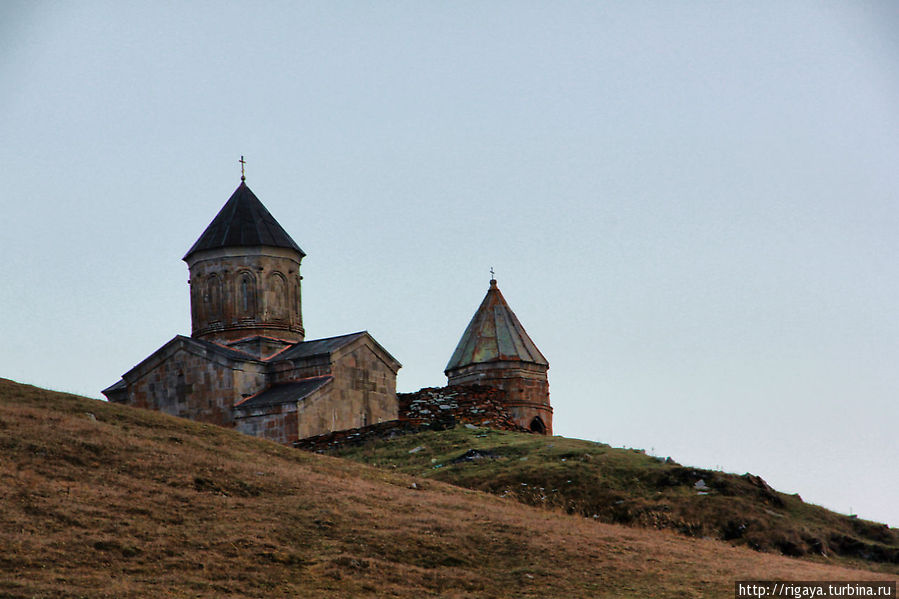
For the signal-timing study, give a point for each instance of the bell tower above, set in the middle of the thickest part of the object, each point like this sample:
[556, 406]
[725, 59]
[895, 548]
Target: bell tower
[495, 350]
[245, 276]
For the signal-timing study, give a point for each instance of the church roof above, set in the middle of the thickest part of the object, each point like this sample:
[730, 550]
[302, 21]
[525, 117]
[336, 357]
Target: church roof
[219, 349]
[317, 347]
[284, 392]
[243, 221]
[325, 347]
[494, 334]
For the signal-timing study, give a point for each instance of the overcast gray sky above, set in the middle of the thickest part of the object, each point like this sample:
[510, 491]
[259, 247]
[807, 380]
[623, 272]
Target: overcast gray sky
[691, 206]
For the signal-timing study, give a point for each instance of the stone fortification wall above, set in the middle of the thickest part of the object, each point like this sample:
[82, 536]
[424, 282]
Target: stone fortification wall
[463, 404]
[357, 436]
[433, 408]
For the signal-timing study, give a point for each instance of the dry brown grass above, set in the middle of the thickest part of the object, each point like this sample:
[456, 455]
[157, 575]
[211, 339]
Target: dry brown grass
[98, 500]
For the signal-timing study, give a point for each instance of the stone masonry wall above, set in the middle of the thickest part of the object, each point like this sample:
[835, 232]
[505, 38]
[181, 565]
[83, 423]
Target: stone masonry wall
[357, 436]
[278, 424]
[434, 408]
[190, 386]
[526, 387]
[469, 404]
[240, 292]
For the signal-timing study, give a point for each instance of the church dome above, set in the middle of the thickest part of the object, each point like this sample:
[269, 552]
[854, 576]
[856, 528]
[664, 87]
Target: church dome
[243, 222]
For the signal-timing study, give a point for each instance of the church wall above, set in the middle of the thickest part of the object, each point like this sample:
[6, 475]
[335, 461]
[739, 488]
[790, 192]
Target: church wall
[426, 409]
[363, 391]
[291, 371]
[525, 414]
[275, 423]
[364, 386]
[525, 384]
[188, 385]
[239, 292]
[319, 413]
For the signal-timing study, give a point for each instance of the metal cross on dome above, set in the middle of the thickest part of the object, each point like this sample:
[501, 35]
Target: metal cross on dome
[492, 278]
[242, 162]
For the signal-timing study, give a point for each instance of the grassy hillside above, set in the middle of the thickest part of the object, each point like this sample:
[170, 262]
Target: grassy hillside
[628, 487]
[99, 500]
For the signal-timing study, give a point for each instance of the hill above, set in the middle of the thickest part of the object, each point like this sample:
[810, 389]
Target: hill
[101, 500]
[626, 486]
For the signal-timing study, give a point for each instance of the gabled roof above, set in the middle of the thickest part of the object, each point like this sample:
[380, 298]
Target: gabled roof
[243, 221]
[228, 352]
[200, 347]
[494, 334]
[318, 347]
[325, 347]
[284, 392]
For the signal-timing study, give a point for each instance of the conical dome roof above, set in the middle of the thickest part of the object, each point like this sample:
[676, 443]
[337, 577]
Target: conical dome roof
[243, 221]
[494, 334]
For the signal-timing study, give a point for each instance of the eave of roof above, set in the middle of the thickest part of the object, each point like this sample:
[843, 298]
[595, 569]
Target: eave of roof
[117, 386]
[284, 393]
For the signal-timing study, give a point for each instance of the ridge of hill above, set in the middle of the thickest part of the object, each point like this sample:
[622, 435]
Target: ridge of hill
[626, 486]
[104, 500]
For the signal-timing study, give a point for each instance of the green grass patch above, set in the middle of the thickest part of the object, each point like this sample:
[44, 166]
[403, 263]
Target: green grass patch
[626, 486]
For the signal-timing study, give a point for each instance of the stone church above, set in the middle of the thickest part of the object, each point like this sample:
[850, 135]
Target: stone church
[247, 364]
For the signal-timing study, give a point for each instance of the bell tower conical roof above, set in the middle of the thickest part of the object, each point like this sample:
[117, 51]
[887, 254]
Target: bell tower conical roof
[245, 277]
[494, 334]
[243, 221]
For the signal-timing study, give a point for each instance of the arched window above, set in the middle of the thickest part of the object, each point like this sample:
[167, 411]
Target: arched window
[246, 295]
[279, 299]
[213, 298]
[537, 425]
